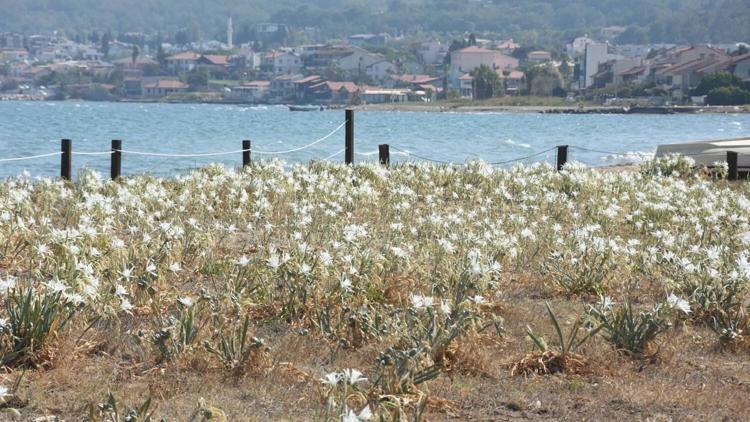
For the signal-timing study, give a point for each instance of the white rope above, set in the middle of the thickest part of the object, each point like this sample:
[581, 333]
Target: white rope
[213, 154]
[31, 157]
[93, 153]
[304, 146]
[333, 155]
[164, 154]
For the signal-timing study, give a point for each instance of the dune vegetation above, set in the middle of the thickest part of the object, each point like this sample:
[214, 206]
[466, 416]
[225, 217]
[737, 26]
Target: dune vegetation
[331, 292]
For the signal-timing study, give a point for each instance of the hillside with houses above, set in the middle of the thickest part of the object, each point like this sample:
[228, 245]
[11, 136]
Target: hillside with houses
[370, 68]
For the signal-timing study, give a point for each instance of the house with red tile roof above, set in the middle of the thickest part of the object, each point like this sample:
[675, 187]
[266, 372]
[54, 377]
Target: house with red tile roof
[467, 59]
[182, 62]
[163, 87]
[213, 60]
[334, 92]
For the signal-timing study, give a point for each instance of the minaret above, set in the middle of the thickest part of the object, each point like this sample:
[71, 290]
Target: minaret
[230, 33]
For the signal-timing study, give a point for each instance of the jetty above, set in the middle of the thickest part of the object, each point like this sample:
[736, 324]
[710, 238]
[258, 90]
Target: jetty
[709, 152]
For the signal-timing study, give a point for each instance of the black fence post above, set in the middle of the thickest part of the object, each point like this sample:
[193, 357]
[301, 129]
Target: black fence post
[349, 147]
[116, 167]
[732, 158]
[562, 156]
[384, 153]
[66, 158]
[245, 153]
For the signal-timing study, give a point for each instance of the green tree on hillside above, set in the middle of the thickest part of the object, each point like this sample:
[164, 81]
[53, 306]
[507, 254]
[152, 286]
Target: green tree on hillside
[198, 79]
[161, 56]
[487, 83]
[716, 80]
[105, 44]
[543, 80]
[134, 54]
[728, 95]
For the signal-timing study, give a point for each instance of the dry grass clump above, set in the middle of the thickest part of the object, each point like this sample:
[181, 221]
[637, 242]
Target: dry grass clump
[550, 362]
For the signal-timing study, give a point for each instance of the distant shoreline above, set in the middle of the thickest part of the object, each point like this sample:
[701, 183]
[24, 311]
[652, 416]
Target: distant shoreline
[453, 108]
[554, 109]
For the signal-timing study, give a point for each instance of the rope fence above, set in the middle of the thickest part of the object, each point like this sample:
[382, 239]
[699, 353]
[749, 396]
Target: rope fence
[31, 157]
[383, 152]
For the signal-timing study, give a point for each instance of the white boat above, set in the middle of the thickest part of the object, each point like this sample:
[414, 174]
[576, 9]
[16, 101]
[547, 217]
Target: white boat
[305, 108]
[709, 152]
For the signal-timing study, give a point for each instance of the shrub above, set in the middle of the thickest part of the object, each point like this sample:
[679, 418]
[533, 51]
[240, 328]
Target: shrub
[562, 357]
[627, 331]
[33, 319]
[109, 412]
[669, 165]
[237, 350]
[731, 95]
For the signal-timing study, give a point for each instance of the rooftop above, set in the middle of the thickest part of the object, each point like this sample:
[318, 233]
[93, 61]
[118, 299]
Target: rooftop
[166, 84]
[187, 55]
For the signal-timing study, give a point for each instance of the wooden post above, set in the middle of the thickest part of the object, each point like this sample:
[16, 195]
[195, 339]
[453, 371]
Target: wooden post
[116, 166]
[349, 146]
[732, 162]
[66, 158]
[562, 156]
[384, 154]
[245, 153]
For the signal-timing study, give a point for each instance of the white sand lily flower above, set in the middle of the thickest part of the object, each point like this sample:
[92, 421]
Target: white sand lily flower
[125, 305]
[353, 376]
[186, 301]
[352, 416]
[419, 302]
[243, 261]
[332, 378]
[676, 302]
[345, 283]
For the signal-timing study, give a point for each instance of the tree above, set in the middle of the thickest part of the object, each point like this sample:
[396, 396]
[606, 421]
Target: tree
[105, 44]
[565, 70]
[486, 83]
[161, 56]
[197, 79]
[135, 53]
[712, 81]
[728, 95]
[543, 80]
[741, 50]
[472, 39]
[151, 69]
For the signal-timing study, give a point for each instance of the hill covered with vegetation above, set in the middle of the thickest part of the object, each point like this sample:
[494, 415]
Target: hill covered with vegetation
[532, 21]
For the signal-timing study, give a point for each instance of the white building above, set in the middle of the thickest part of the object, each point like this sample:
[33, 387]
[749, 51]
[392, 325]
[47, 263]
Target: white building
[467, 59]
[431, 52]
[381, 70]
[280, 63]
[595, 55]
[253, 92]
[182, 62]
[163, 87]
[358, 60]
[382, 95]
[577, 47]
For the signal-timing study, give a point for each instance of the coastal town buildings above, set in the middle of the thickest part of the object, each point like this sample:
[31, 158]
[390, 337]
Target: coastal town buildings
[359, 68]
